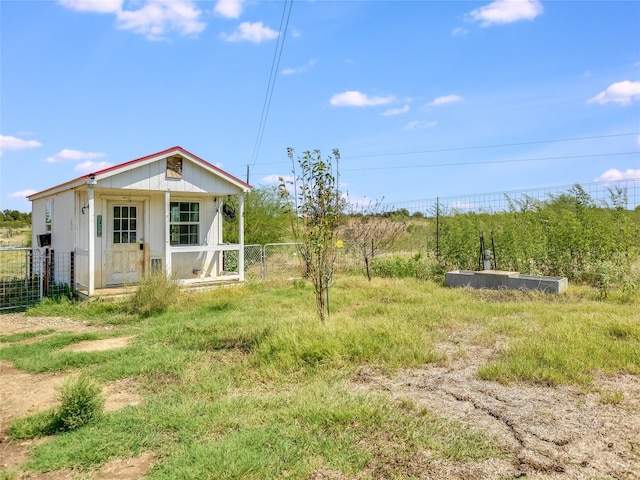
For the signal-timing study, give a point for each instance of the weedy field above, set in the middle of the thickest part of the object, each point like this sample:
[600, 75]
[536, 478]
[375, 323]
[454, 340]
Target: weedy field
[407, 379]
[15, 237]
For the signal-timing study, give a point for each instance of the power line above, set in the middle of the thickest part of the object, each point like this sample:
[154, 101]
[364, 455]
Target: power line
[517, 160]
[275, 63]
[453, 149]
[493, 161]
[478, 147]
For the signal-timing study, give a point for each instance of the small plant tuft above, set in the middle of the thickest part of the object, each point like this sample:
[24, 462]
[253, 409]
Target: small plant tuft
[614, 397]
[154, 295]
[82, 403]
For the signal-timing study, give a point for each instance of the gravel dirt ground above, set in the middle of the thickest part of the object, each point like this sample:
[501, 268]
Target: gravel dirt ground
[549, 432]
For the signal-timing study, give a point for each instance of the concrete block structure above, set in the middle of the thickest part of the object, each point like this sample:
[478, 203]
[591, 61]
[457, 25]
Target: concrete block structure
[497, 279]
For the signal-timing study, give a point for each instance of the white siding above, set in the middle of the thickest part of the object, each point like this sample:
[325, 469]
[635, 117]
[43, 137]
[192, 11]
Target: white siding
[62, 226]
[153, 176]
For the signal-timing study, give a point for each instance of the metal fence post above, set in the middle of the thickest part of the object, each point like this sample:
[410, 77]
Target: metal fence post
[41, 278]
[72, 273]
[438, 228]
[46, 273]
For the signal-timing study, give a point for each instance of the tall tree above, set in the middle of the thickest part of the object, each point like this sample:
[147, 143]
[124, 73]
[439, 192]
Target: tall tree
[315, 200]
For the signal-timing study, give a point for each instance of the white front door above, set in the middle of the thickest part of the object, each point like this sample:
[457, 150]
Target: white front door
[125, 257]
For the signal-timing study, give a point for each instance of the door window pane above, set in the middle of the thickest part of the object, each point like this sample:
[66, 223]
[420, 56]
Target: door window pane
[124, 224]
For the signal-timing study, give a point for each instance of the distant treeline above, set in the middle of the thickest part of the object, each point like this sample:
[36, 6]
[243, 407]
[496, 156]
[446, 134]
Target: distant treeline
[14, 219]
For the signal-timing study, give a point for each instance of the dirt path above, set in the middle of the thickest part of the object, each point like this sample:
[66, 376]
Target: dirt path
[23, 394]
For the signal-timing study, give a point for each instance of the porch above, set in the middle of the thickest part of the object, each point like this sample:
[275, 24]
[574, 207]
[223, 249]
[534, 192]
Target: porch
[210, 266]
[112, 294]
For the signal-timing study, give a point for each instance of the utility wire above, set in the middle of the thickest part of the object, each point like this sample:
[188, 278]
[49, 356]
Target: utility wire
[517, 160]
[493, 161]
[275, 64]
[478, 147]
[453, 149]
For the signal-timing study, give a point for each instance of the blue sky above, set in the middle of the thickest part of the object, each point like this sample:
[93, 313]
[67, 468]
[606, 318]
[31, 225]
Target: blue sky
[422, 98]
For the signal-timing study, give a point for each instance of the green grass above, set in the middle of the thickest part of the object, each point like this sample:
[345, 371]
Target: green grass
[246, 383]
[20, 336]
[96, 312]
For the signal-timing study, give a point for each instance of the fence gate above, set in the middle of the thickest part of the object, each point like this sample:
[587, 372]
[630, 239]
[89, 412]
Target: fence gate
[27, 275]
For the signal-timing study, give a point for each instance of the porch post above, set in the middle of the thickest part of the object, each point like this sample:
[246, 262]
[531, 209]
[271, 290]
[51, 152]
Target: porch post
[241, 237]
[92, 244]
[167, 232]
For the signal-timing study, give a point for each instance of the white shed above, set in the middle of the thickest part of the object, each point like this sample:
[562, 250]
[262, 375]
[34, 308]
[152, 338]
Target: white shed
[162, 212]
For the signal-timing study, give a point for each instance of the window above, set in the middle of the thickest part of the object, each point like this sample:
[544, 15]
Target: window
[125, 224]
[174, 167]
[185, 223]
[48, 216]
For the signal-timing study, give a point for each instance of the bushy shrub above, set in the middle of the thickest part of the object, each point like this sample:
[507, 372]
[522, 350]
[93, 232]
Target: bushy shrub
[154, 295]
[81, 403]
[417, 266]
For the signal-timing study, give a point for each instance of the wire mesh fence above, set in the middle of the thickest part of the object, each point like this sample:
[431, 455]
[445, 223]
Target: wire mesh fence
[28, 275]
[571, 230]
[624, 193]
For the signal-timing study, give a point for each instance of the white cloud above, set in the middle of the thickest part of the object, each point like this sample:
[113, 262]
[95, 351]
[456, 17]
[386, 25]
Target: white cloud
[229, 8]
[396, 111]
[614, 174]
[90, 167]
[274, 178]
[301, 69]
[506, 11]
[459, 32]
[73, 155]
[354, 98]
[153, 19]
[445, 99]
[21, 193]
[9, 143]
[419, 125]
[251, 32]
[96, 6]
[621, 92]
